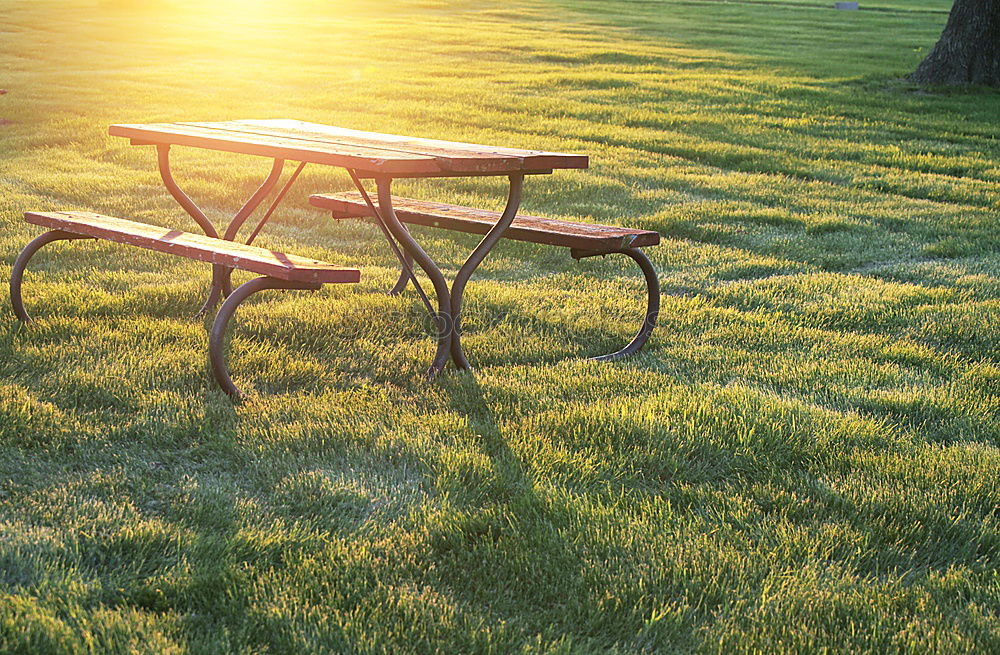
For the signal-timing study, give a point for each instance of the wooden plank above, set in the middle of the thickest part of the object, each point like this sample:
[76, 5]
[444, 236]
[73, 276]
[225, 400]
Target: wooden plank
[368, 175]
[536, 229]
[195, 246]
[452, 155]
[450, 161]
[332, 154]
[408, 143]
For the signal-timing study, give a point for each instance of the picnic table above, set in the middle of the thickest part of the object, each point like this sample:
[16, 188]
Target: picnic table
[366, 156]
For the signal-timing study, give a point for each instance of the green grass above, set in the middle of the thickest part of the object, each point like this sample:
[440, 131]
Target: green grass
[804, 459]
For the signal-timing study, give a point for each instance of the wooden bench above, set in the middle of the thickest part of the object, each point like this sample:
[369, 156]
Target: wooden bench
[279, 270]
[583, 239]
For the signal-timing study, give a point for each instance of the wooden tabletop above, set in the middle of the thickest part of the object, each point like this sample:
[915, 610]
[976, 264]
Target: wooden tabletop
[366, 152]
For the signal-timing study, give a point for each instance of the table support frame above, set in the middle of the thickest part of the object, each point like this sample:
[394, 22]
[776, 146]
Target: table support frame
[221, 285]
[472, 263]
[448, 316]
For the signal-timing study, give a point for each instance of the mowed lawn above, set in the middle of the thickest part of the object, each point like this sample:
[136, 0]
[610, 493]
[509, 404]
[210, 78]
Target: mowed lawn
[804, 458]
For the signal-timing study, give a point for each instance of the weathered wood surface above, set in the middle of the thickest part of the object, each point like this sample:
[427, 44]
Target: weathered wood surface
[549, 231]
[195, 246]
[368, 152]
[332, 154]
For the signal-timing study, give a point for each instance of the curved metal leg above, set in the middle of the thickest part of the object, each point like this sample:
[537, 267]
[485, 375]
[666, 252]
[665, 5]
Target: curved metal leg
[17, 272]
[244, 213]
[445, 330]
[474, 260]
[254, 201]
[163, 159]
[216, 339]
[221, 286]
[652, 303]
[219, 277]
[404, 276]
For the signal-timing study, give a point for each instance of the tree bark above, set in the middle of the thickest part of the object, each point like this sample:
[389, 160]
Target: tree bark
[968, 51]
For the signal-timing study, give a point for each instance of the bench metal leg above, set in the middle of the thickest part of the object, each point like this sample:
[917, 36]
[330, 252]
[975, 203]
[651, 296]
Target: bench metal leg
[410, 245]
[216, 339]
[474, 260]
[17, 273]
[652, 303]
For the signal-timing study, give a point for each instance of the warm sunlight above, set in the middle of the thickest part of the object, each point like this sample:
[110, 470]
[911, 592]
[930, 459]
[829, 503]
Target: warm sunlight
[539, 327]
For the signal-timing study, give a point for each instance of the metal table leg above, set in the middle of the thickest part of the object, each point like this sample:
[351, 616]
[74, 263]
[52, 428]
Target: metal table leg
[220, 274]
[401, 234]
[474, 260]
[449, 301]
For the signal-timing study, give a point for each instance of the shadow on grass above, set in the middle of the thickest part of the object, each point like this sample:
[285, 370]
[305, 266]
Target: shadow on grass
[503, 534]
[506, 544]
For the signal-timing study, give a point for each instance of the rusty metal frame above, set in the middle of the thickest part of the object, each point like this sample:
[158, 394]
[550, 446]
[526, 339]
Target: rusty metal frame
[221, 285]
[406, 273]
[442, 318]
[475, 259]
[21, 263]
[217, 335]
[449, 300]
[652, 301]
[448, 315]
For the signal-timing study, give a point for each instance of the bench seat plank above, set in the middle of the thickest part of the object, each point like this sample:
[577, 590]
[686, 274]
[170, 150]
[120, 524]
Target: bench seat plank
[535, 229]
[195, 246]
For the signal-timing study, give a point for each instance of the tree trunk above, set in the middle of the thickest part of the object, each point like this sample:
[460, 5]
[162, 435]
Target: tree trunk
[968, 51]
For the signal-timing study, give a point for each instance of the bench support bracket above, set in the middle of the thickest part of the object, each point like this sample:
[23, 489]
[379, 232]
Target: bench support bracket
[21, 263]
[652, 302]
[216, 339]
